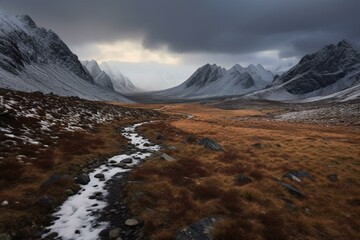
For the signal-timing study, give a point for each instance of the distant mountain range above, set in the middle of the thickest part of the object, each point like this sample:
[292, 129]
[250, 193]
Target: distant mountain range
[109, 77]
[331, 73]
[36, 59]
[213, 81]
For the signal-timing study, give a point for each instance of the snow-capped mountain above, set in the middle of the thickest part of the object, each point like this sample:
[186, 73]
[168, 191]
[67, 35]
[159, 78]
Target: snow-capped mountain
[329, 71]
[121, 83]
[36, 59]
[100, 77]
[212, 80]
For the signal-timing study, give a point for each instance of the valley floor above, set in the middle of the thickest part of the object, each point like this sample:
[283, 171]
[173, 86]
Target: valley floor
[285, 172]
[247, 184]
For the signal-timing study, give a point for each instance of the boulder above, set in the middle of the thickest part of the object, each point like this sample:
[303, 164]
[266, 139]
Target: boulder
[83, 179]
[201, 230]
[297, 175]
[46, 202]
[167, 157]
[210, 144]
[114, 233]
[5, 236]
[132, 222]
[293, 190]
[99, 175]
[127, 160]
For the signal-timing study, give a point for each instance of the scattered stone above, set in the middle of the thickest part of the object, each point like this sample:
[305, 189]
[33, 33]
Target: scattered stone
[127, 160]
[293, 190]
[5, 236]
[121, 165]
[172, 148]
[307, 211]
[83, 179]
[114, 233]
[242, 180]
[167, 157]
[77, 231]
[132, 222]
[46, 202]
[201, 230]
[296, 175]
[332, 177]
[146, 145]
[99, 175]
[5, 203]
[69, 192]
[113, 161]
[210, 144]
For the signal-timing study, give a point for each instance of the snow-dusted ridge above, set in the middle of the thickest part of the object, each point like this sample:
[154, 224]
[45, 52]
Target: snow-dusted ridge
[213, 81]
[333, 72]
[81, 213]
[35, 59]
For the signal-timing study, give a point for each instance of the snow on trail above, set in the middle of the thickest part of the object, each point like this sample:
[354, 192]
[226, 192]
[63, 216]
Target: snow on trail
[77, 217]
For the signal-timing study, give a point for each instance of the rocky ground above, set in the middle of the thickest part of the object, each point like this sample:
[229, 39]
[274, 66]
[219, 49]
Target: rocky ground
[46, 141]
[324, 112]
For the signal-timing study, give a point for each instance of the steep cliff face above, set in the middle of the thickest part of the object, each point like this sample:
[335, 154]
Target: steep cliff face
[331, 70]
[100, 77]
[35, 59]
[22, 42]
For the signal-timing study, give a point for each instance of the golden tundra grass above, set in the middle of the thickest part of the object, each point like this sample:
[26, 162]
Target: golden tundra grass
[201, 182]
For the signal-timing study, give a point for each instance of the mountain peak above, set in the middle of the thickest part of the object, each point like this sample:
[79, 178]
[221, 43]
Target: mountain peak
[346, 43]
[27, 20]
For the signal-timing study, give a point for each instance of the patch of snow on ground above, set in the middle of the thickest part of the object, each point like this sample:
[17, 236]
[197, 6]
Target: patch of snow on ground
[81, 213]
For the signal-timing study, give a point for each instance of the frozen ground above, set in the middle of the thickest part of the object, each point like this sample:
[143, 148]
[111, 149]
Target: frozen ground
[78, 216]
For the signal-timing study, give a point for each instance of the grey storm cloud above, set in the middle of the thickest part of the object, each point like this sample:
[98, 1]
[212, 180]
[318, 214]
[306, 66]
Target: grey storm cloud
[294, 27]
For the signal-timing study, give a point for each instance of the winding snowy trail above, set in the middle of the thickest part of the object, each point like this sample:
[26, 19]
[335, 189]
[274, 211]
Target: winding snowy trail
[78, 217]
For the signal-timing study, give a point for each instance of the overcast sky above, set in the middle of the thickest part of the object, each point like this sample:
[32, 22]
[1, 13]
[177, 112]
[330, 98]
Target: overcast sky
[176, 37]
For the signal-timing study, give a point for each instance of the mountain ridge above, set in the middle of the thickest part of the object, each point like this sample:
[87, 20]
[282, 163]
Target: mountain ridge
[35, 59]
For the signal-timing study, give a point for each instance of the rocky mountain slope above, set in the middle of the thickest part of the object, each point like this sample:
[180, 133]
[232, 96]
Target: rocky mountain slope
[36, 59]
[212, 80]
[332, 72]
[100, 77]
[122, 84]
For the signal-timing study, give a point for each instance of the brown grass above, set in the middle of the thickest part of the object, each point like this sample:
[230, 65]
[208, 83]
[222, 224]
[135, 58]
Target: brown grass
[21, 184]
[201, 183]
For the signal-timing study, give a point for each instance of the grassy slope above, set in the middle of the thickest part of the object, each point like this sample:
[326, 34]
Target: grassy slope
[201, 183]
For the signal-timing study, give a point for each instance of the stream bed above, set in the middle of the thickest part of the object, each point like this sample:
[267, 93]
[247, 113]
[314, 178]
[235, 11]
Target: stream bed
[79, 216]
